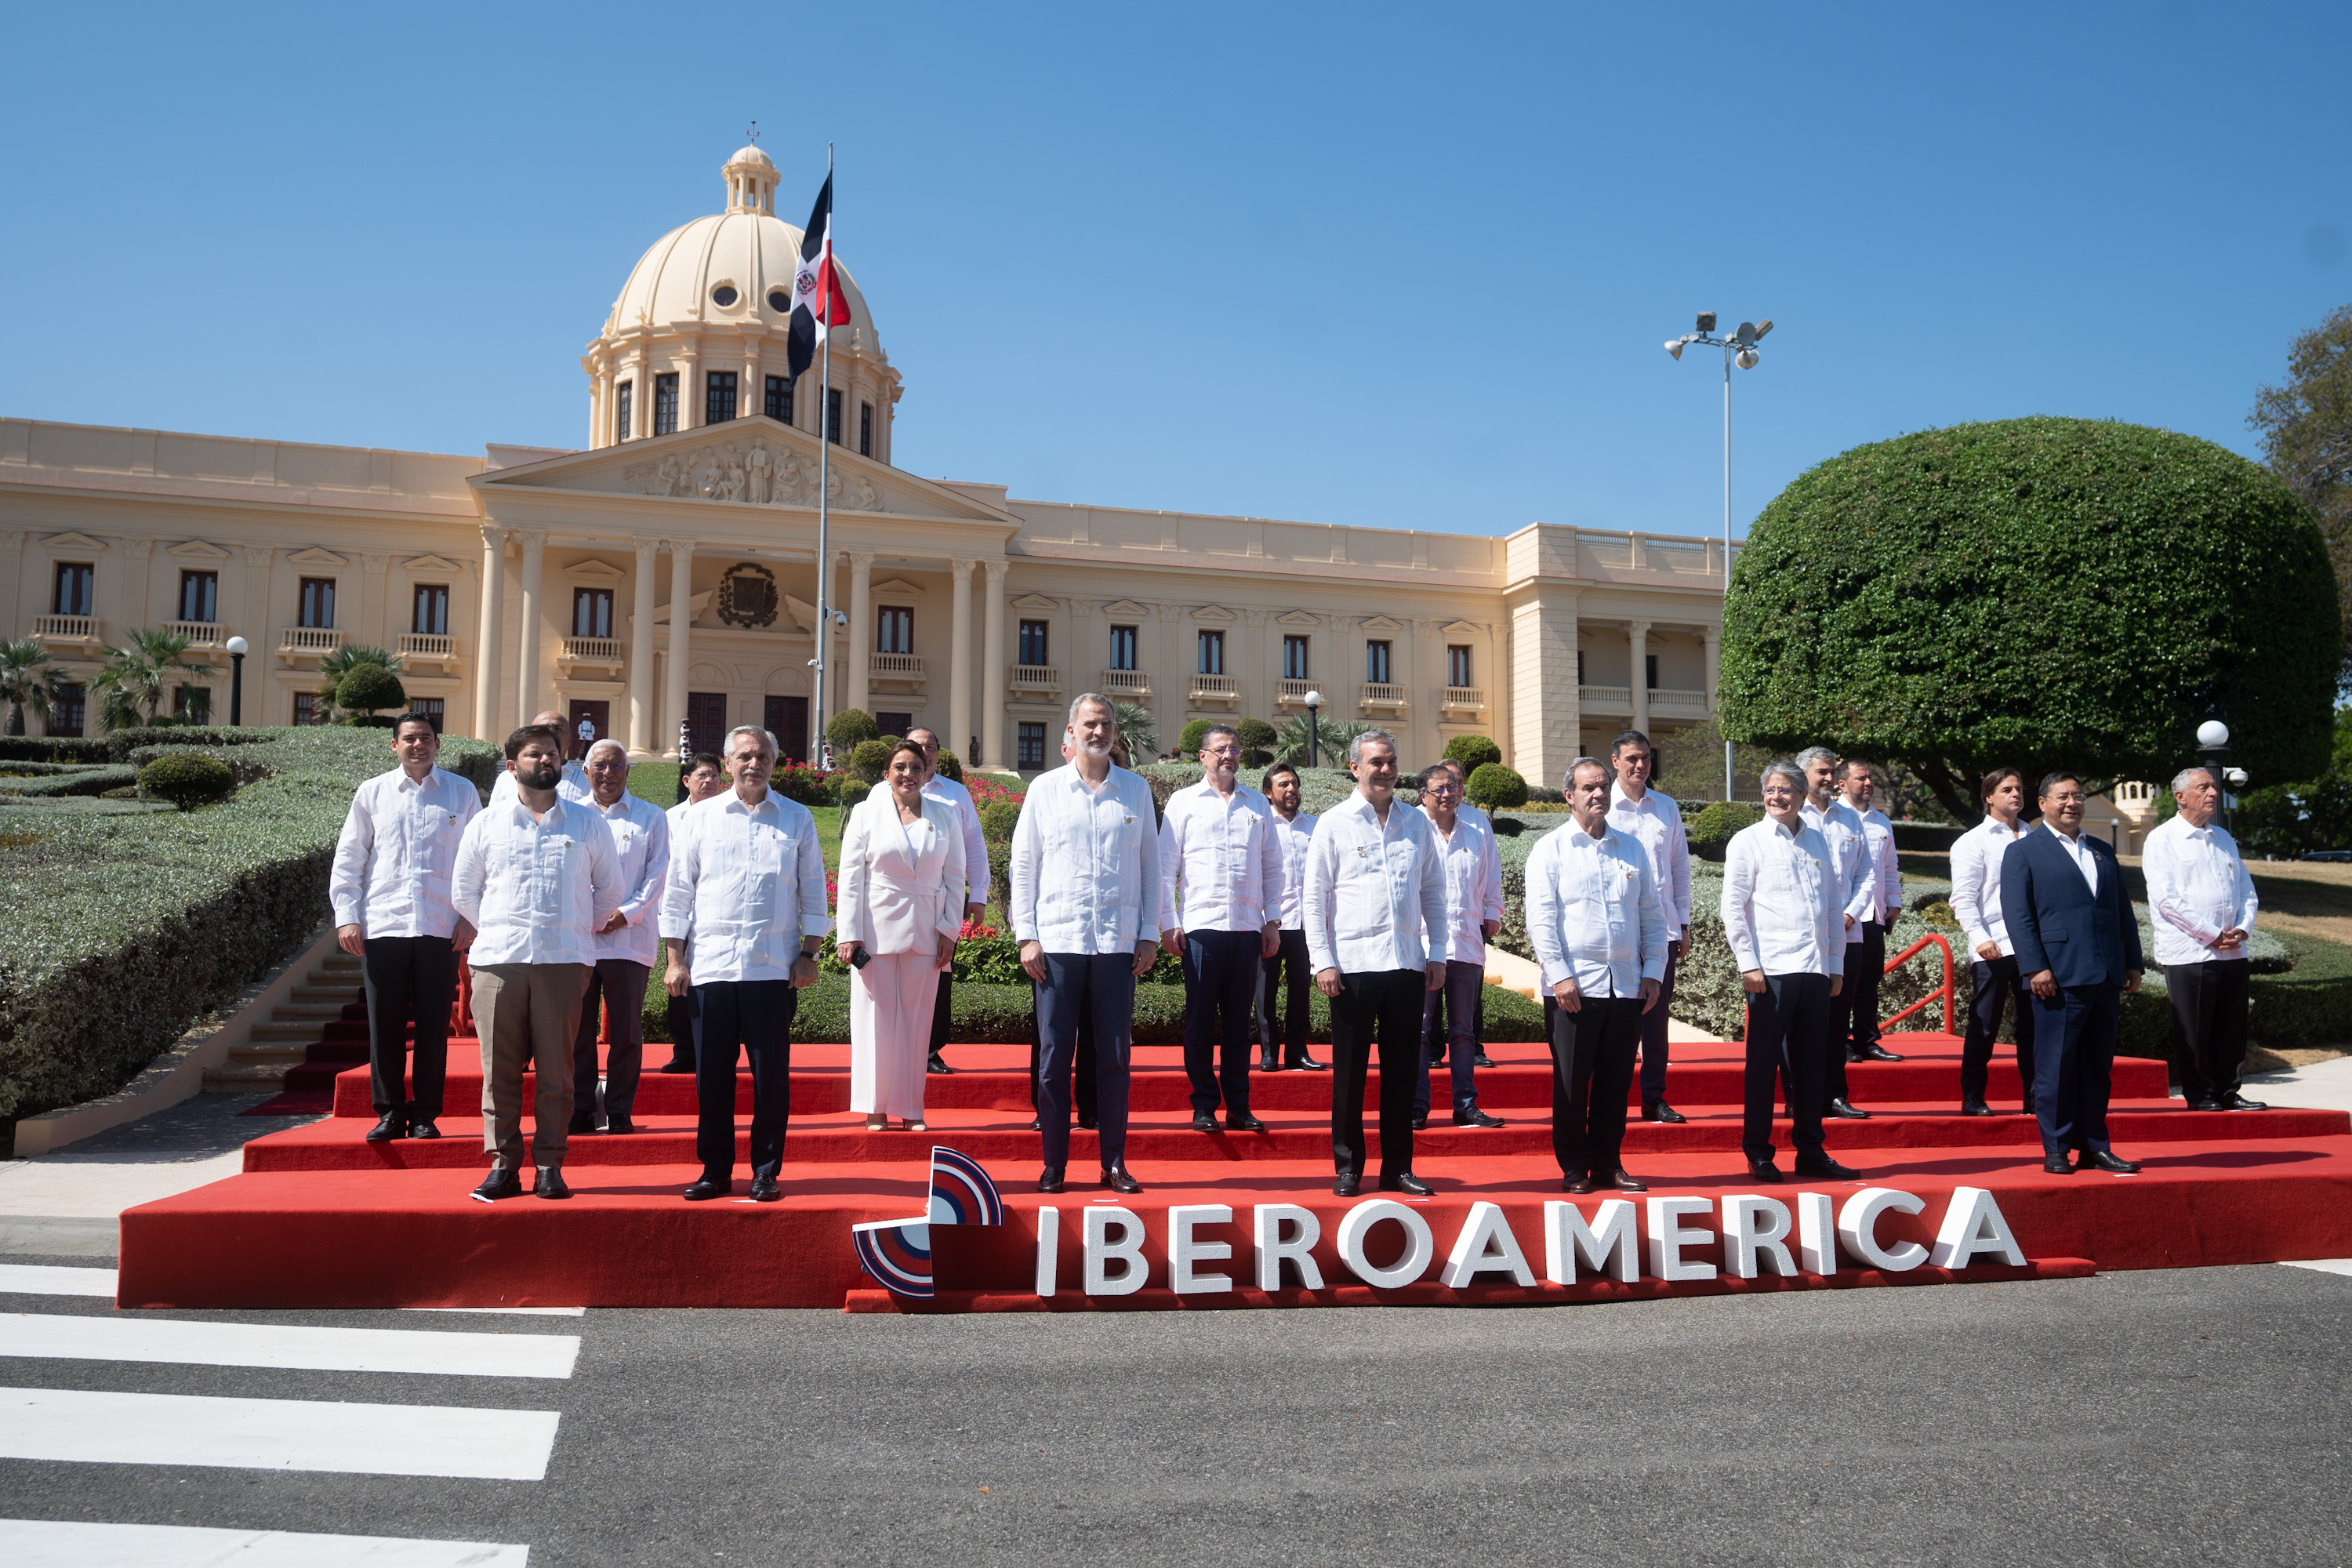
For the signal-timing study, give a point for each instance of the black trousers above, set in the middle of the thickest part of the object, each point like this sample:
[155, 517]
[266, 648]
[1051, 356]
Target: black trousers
[733, 1018]
[1083, 1076]
[2073, 1066]
[1099, 986]
[1287, 978]
[1654, 1033]
[2209, 1025]
[1788, 1036]
[623, 980]
[1447, 1018]
[1997, 984]
[681, 1029]
[1220, 980]
[409, 978]
[1591, 1073]
[1381, 1008]
[942, 1010]
[1857, 1000]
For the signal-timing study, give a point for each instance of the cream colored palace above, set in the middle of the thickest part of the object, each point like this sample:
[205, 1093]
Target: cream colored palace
[666, 575]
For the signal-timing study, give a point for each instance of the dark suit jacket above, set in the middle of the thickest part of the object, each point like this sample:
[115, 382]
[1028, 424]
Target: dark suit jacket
[2056, 921]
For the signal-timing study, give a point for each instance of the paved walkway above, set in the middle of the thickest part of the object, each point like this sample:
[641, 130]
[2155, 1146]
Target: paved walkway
[2326, 1086]
[64, 1204]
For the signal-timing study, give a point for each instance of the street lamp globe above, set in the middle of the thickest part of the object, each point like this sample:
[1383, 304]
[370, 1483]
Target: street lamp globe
[2212, 732]
[237, 648]
[1315, 699]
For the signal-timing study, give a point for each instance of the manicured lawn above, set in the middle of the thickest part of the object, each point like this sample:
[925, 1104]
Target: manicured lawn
[657, 782]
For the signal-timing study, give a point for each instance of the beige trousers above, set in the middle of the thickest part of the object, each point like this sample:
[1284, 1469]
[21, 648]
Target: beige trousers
[526, 1014]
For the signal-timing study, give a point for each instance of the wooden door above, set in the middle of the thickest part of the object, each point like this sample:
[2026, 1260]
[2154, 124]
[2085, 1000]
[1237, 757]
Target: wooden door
[706, 719]
[597, 714]
[788, 721]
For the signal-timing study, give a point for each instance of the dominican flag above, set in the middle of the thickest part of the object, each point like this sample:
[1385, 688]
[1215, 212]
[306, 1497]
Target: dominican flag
[818, 303]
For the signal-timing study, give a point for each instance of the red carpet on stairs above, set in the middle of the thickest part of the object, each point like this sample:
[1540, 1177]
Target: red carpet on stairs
[322, 1218]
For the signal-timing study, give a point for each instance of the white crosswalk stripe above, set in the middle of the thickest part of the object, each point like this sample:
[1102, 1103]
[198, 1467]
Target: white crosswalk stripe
[2324, 1264]
[48, 1279]
[68, 1543]
[446, 1353]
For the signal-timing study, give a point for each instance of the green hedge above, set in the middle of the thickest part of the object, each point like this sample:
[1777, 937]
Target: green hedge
[126, 930]
[83, 779]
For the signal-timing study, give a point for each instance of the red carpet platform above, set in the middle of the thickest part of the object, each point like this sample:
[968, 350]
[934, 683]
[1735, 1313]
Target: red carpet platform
[323, 1218]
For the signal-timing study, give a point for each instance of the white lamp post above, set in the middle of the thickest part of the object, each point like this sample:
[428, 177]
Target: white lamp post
[1738, 348]
[237, 648]
[1314, 710]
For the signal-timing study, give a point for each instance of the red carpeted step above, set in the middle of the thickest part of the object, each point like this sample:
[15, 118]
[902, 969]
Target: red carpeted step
[413, 1237]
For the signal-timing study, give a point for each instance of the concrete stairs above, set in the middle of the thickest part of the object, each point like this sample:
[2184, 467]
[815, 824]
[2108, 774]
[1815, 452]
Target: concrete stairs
[329, 995]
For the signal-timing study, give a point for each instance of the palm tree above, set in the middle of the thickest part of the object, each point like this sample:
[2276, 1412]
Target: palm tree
[27, 679]
[1331, 738]
[1135, 729]
[137, 678]
[341, 662]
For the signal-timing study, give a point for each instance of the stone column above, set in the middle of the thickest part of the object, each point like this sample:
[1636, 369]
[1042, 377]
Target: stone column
[599, 388]
[489, 635]
[681, 615]
[960, 662]
[1422, 712]
[861, 629]
[527, 626]
[376, 610]
[259, 631]
[1257, 666]
[641, 396]
[137, 588]
[641, 650]
[1637, 642]
[689, 387]
[751, 397]
[1172, 679]
[1547, 707]
[994, 743]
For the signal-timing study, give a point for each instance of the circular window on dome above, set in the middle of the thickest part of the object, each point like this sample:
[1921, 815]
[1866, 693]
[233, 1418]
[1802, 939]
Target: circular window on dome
[780, 302]
[724, 296]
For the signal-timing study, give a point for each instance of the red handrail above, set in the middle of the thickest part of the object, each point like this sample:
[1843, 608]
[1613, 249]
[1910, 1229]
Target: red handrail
[1942, 993]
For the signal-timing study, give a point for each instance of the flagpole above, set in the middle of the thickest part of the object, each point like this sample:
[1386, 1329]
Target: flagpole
[824, 478]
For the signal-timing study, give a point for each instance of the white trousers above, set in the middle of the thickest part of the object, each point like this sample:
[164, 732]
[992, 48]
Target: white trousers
[890, 1003]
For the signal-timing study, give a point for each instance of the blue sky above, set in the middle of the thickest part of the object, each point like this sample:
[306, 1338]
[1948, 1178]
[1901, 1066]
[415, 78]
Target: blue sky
[1404, 266]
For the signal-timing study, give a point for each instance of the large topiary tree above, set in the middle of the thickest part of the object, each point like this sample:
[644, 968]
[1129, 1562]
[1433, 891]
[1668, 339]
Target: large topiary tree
[2043, 593]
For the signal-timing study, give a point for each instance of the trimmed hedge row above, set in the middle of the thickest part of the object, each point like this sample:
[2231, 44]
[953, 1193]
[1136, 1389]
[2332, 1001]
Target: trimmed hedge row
[127, 929]
[82, 779]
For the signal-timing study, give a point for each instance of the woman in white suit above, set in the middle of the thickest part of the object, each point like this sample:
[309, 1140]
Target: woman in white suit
[901, 904]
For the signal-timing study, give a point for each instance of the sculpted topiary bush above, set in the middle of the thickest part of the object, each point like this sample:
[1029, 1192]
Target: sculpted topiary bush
[1493, 787]
[188, 779]
[1473, 752]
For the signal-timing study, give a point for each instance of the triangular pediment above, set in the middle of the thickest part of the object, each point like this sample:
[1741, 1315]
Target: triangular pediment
[1461, 629]
[594, 571]
[897, 588]
[1380, 624]
[314, 556]
[752, 461]
[1298, 618]
[1036, 604]
[197, 550]
[432, 563]
[73, 542]
[1126, 607]
[1216, 613]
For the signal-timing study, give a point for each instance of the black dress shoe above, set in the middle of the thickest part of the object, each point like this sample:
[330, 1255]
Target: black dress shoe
[1344, 1185]
[1843, 1111]
[676, 1063]
[2233, 1100]
[1268, 1062]
[551, 1184]
[1975, 1108]
[1827, 1169]
[1203, 1123]
[1874, 1052]
[1625, 1181]
[2058, 1165]
[1050, 1179]
[1421, 1123]
[1244, 1122]
[1116, 1178]
[1473, 1117]
[1036, 1124]
[582, 1121]
[764, 1190]
[1087, 1120]
[2101, 1160]
[1406, 1182]
[1659, 1111]
[619, 1124]
[394, 1124]
[1308, 1064]
[937, 1066]
[709, 1187]
[1482, 1060]
[2207, 1105]
[500, 1183]
[422, 1126]
[1579, 1185]
[1766, 1172]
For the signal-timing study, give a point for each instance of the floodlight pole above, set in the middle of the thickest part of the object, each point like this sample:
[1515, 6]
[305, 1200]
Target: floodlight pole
[1740, 344]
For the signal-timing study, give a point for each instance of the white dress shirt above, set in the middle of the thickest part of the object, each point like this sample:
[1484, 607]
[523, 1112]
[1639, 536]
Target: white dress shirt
[1086, 864]
[1594, 912]
[572, 786]
[1655, 821]
[392, 860]
[641, 838]
[2078, 852]
[1780, 911]
[1371, 890]
[1474, 886]
[1294, 837]
[746, 886]
[2197, 887]
[1840, 829]
[1881, 873]
[902, 883]
[975, 843]
[1976, 883]
[1222, 851]
[677, 815]
[536, 891]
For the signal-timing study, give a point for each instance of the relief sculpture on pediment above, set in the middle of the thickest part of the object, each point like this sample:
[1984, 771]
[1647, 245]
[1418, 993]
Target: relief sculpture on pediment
[752, 472]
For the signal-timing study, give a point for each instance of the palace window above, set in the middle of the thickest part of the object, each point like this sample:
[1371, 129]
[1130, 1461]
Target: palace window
[1029, 749]
[1213, 653]
[199, 596]
[1457, 665]
[894, 627]
[71, 711]
[432, 708]
[718, 396]
[833, 416]
[1122, 647]
[74, 580]
[780, 398]
[430, 616]
[305, 708]
[592, 612]
[666, 403]
[1649, 670]
[1376, 663]
[866, 429]
[1580, 667]
[1032, 642]
[317, 605]
[1294, 660]
[193, 704]
[624, 408]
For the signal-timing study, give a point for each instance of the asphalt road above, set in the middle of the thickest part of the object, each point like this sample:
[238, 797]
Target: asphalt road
[2180, 1416]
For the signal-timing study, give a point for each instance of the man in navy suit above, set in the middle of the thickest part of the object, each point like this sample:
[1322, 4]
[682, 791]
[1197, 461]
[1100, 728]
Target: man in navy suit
[2062, 894]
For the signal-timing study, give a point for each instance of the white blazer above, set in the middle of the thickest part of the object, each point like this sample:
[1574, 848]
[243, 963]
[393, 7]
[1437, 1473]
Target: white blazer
[890, 901]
